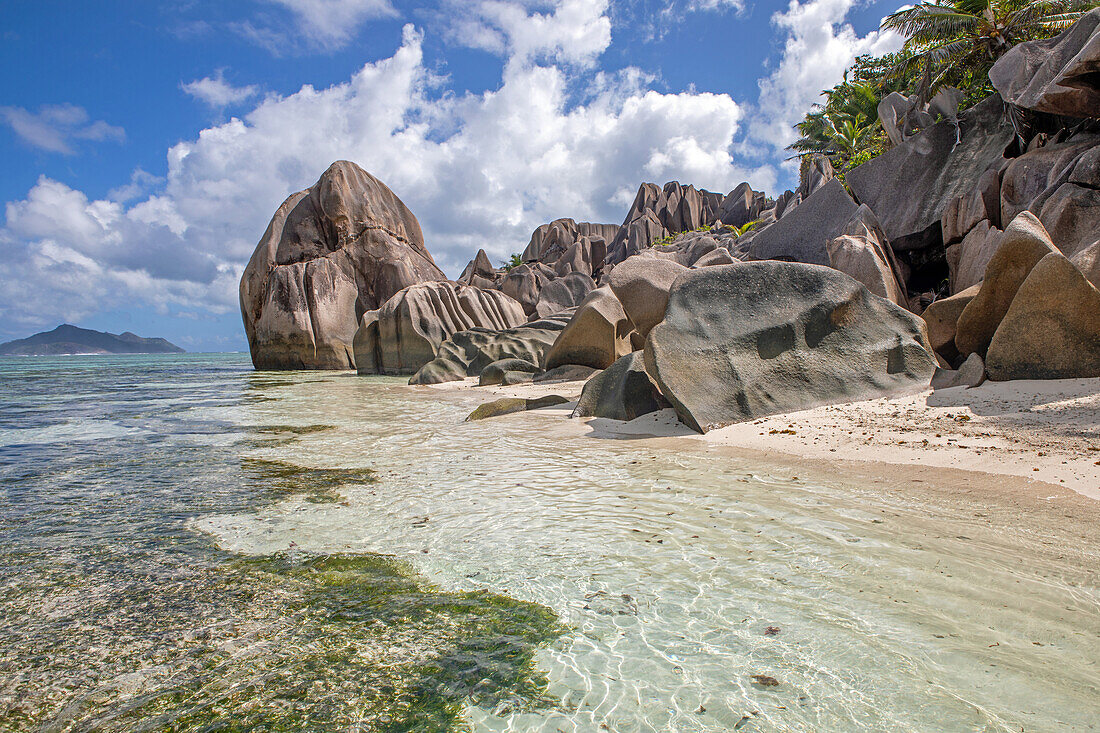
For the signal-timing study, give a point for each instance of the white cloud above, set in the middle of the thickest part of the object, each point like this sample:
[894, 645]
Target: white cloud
[819, 47]
[576, 31]
[55, 127]
[321, 24]
[478, 170]
[216, 92]
[698, 5]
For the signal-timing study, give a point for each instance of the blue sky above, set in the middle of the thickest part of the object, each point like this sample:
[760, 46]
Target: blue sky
[146, 145]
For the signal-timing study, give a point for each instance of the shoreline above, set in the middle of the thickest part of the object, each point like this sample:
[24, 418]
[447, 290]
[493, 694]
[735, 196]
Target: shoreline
[1031, 436]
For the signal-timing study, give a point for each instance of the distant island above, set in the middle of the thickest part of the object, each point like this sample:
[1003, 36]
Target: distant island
[68, 339]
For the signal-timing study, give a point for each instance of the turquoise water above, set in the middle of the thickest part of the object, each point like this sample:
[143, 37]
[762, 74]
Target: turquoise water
[190, 545]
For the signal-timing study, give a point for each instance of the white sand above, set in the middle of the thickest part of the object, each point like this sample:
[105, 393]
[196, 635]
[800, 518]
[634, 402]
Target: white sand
[1045, 431]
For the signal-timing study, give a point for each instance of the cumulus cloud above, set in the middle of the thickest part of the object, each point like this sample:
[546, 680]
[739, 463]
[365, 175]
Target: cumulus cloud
[216, 92]
[819, 46]
[55, 127]
[576, 31]
[479, 170]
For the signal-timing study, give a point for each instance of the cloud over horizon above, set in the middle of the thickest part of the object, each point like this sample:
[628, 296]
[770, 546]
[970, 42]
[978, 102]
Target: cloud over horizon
[477, 169]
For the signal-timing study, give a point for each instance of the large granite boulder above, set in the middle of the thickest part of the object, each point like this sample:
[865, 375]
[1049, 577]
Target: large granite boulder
[910, 186]
[741, 205]
[1088, 262]
[942, 317]
[1052, 328]
[341, 248]
[1072, 216]
[563, 294]
[720, 256]
[1057, 75]
[967, 260]
[468, 353]
[863, 252]
[597, 335]
[965, 212]
[525, 282]
[479, 270]
[623, 391]
[641, 284]
[803, 234]
[743, 341]
[1026, 179]
[405, 333]
[550, 241]
[1023, 243]
[498, 371]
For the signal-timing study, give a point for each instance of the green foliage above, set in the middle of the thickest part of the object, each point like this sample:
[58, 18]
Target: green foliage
[514, 261]
[955, 43]
[668, 239]
[845, 126]
[746, 228]
[950, 43]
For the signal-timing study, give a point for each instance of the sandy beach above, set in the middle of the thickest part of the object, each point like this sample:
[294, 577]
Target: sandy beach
[1042, 433]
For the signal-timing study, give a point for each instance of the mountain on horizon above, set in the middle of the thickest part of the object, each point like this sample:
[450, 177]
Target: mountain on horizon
[69, 339]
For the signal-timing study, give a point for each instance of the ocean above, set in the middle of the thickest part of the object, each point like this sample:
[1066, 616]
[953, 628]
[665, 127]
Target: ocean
[190, 545]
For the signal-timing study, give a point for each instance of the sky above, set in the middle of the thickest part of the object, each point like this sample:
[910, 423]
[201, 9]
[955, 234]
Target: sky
[147, 144]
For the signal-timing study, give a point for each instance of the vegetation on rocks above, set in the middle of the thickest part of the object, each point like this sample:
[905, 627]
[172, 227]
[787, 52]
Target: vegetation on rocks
[948, 44]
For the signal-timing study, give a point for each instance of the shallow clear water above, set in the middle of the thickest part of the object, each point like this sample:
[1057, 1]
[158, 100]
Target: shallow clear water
[192, 545]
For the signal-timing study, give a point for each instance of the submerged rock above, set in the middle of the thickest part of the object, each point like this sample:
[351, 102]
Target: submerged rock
[508, 405]
[341, 248]
[753, 339]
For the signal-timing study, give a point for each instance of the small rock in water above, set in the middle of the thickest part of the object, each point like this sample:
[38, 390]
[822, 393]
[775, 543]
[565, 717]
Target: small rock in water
[764, 680]
[771, 631]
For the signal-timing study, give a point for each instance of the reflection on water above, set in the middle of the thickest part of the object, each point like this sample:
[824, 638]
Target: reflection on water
[302, 551]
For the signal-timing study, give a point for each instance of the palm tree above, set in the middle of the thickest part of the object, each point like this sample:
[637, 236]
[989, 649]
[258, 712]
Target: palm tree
[957, 41]
[841, 128]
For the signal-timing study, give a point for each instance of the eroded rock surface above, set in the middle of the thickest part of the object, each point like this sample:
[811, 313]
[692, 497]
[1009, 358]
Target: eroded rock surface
[341, 248]
[752, 339]
[405, 333]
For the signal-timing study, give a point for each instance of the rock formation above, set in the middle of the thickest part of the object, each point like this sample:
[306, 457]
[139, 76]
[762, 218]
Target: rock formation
[341, 248]
[641, 285]
[623, 391]
[1055, 75]
[405, 333]
[863, 251]
[1052, 327]
[1023, 244]
[753, 339]
[467, 353]
[598, 333]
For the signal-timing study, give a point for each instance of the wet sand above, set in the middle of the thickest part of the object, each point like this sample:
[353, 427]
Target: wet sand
[1045, 435]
